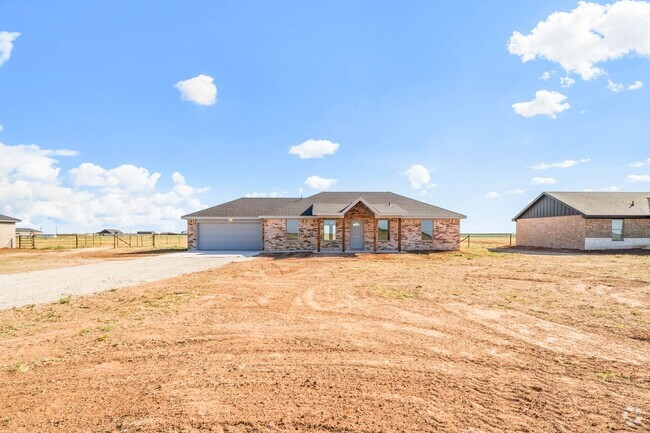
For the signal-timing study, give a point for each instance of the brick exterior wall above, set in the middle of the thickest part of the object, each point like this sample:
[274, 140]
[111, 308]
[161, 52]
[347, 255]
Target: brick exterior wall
[632, 228]
[191, 235]
[275, 235]
[446, 236]
[7, 235]
[566, 232]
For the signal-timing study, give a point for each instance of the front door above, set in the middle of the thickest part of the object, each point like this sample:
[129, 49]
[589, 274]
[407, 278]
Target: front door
[356, 235]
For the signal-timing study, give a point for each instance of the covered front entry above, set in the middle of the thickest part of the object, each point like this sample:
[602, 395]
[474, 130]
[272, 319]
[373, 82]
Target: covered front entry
[233, 236]
[356, 235]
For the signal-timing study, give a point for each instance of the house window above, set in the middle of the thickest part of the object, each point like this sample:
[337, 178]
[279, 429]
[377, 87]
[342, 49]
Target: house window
[292, 230]
[383, 230]
[329, 230]
[617, 230]
[426, 227]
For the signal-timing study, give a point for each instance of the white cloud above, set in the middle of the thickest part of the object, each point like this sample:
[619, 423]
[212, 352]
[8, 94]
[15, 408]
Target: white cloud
[267, 194]
[201, 90]
[567, 82]
[614, 87]
[640, 163]
[543, 181]
[7, 45]
[89, 197]
[492, 194]
[515, 191]
[123, 178]
[588, 35]
[546, 75]
[319, 183]
[1, 128]
[419, 176]
[635, 86]
[564, 164]
[633, 178]
[547, 103]
[314, 149]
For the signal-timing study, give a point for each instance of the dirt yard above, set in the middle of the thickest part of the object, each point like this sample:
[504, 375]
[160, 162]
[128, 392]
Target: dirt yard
[457, 342]
[23, 260]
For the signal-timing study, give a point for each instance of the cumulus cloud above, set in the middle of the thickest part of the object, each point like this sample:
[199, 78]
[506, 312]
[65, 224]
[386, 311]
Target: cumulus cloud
[201, 90]
[635, 86]
[543, 181]
[124, 178]
[7, 45]
[564, 164]
[314, 149]
[319, 183]
[633, 178]
[546, 103]
[89, 197]
[492, 194]
[587, 36]
[640, 163]
[419, 176]
[567, 82]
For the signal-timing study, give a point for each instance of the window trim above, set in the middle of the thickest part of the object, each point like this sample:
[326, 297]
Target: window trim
[422, 232]
[333, 234]
[387, 230]
[614, 237]
[291, 236]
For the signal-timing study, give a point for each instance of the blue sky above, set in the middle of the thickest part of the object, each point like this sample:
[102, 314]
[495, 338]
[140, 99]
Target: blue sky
[95, 128]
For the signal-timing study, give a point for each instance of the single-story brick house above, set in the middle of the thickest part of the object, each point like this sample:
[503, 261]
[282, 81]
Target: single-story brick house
[8, 231]
[325, 222]
[586, 221]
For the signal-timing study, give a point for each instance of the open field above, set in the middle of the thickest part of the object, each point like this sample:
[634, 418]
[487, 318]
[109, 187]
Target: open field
[18, 260]
[458, 342]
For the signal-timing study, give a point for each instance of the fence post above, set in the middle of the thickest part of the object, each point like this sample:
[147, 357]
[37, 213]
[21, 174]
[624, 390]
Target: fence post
[468, 236]
[114, 241]
[20, 243]
[153, 240]
[510, 239]
[76, 241]
[33, 241]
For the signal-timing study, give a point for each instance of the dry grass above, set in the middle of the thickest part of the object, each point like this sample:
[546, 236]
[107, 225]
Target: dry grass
[468, 341]
[23, 260]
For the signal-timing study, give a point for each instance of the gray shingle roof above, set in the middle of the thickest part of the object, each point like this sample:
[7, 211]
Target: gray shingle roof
[243, 207]
[8, 219]
[384, 202]
[603, 204]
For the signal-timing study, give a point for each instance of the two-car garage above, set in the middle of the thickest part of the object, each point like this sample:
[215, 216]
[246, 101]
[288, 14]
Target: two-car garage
[238, 235]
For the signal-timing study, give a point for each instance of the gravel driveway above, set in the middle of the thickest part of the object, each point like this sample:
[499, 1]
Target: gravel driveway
[50, 285]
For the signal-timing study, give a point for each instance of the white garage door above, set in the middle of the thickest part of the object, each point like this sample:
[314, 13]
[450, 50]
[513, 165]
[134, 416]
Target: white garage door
[230, 236]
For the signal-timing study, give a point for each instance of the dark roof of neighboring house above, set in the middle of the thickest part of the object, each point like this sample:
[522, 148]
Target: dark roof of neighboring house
[326, 204]
[111, 231]
[8, 219]
[601, 204]
[27, 230]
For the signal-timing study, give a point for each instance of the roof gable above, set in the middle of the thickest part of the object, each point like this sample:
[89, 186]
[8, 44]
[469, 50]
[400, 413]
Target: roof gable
[593, 204]
[8, 219]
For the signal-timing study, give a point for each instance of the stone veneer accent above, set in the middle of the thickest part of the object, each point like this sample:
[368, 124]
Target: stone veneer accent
[191, 235]
[7, 235]
[552, 232]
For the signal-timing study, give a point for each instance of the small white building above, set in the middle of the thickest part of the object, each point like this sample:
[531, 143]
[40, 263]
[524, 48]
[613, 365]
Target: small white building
[8, 231]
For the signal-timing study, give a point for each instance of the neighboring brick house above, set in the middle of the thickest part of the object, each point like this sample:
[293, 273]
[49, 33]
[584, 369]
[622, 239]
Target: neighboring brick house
[586, 221]
[8, 231]
[325, 222]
